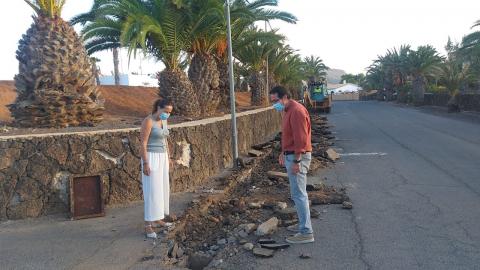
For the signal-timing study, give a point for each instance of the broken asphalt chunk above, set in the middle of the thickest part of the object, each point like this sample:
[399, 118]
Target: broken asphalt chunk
[255, 153]
[263, 252]
[331, 154]
[266, 241]
[275, 246]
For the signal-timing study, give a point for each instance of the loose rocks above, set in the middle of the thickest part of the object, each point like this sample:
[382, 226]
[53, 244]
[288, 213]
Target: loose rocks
[263, 252]
[267, 227]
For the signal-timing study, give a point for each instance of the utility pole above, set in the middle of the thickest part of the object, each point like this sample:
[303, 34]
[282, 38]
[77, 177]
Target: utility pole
[232, 88]
[266, 71]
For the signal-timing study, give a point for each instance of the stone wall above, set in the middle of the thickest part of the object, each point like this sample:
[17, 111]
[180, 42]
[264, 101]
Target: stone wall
[35, 170]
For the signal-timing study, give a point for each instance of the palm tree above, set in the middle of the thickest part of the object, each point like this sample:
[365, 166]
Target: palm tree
[244, 14]
[55, 83]
[205, 32]
[314, 68]
[395, 63]
[101, 32]
[253, 53]
[422, 63]
[469, 51]
[454, 75]
[161, 29]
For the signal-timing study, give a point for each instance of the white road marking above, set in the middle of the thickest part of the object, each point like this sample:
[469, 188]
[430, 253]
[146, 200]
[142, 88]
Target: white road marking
[363, 154]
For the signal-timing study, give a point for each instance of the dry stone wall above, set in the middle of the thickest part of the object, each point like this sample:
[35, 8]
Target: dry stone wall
[35, 170]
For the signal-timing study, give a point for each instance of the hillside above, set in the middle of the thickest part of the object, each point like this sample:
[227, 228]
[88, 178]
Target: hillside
[334, 75]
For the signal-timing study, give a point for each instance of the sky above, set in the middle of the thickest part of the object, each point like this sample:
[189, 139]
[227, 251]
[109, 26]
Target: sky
[346, 34]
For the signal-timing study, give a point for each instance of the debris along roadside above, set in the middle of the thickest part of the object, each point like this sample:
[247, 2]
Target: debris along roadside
[253, 206]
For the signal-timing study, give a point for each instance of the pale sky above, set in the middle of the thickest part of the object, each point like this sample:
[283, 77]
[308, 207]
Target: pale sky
[346, 34]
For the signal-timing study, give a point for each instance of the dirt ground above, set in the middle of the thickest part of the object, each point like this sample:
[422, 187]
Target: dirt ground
[125, 107]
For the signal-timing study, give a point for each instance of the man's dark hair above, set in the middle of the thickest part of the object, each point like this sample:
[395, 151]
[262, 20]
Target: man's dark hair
[280, 91]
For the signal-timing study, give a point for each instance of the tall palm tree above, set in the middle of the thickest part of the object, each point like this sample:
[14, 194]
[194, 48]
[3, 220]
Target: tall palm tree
[161, 29]
[314, 68]
[395, 63]
[205, 32]
[101, 32]
[253, 53]
[244, 14]
[55, 83]
[420, 64]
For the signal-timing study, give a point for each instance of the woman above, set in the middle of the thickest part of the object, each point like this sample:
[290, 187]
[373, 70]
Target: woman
[155, 166]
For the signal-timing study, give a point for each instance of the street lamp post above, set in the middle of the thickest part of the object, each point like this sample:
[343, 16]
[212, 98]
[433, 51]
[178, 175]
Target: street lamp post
[232, 87]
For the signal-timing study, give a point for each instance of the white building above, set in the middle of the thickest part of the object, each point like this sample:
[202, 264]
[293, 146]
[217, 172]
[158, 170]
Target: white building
[343, 88]
[131, 80]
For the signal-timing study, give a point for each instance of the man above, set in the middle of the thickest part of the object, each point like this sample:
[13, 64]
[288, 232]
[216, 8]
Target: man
[296, 156]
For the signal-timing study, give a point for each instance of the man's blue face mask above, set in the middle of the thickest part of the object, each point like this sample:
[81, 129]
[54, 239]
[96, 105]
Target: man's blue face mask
[279, 106]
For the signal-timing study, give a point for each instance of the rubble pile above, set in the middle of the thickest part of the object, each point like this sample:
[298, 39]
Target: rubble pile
[253, 205]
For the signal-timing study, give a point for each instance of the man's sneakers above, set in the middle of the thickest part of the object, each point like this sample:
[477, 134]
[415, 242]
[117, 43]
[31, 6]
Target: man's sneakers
[299, 238]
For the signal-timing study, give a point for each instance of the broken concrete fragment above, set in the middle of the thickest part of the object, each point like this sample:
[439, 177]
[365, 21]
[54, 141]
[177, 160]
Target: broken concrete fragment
[314, 213]
[254, 205]
[255, 153]
[331, 154]
[275, 246]
[281, 205]
[274, 175]
[199, 260]
[248, 246]
[267, 227]
[315, 187]
[263, 252]
[222, 242]
[347, 205]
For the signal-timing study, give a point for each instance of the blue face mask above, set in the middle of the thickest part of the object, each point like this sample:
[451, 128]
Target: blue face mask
[279, 106]
[164, 116]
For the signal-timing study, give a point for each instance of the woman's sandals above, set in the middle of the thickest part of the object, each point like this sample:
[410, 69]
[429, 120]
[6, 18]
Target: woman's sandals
[152, 234]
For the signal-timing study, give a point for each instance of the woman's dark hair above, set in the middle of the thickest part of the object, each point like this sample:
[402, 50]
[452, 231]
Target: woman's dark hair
[280, 91]
[162, 103]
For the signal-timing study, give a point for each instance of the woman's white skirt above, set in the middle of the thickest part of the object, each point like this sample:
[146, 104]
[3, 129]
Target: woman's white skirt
[156, 187]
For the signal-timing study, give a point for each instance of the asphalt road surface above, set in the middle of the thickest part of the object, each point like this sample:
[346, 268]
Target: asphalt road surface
[414, 178]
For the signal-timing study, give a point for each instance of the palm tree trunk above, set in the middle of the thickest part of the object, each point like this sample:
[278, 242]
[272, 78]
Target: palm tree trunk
[418, 90]
[204, 76]
[96, 72]
[116, 72]
[224, 85]
[259, 93]
[175, 86]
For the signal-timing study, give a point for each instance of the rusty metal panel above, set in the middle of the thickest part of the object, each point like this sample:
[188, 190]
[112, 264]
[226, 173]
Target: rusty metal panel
[86, 197]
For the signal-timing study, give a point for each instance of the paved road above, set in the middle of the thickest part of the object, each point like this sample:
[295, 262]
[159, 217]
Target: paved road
[414, 179]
